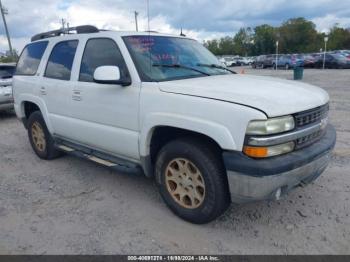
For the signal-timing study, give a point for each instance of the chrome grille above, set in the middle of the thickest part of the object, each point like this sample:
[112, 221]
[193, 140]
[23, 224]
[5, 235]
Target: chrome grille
[308, 140]
[311, 116]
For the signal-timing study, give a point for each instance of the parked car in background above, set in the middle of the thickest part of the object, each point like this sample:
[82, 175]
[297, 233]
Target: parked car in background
[333, 61]
[289, 61]
[6, 72]
[245, 61]
[229, 61]
[345, 53]
[263, 61]
[310, 60]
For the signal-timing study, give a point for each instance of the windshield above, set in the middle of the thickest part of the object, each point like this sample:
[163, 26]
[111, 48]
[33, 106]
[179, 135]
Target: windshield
[6, 71]
[161, 58]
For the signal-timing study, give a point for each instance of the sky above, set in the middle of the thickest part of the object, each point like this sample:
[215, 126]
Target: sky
[200, 19]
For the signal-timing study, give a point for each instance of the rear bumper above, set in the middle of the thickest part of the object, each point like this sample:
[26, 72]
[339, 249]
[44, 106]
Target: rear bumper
[252, 180]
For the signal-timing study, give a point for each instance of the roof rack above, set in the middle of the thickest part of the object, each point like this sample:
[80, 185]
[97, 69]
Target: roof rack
[83, 29]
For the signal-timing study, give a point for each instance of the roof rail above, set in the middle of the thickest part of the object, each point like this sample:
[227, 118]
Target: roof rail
[83, 29]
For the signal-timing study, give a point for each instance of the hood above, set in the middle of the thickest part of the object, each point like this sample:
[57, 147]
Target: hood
[274, 96]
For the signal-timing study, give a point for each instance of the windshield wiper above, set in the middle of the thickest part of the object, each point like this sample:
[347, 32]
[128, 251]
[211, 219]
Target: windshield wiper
[181, 66]
[217, 67]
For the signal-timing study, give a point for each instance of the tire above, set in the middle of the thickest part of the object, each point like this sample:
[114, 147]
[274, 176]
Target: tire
[209, 188]
[40, 138]
[287, 66]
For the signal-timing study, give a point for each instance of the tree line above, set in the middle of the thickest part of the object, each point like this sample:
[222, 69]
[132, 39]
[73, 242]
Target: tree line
[296, 35]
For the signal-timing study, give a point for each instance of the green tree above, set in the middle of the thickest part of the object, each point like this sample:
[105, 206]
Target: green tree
[264, 40]
[243, 41]
[213, 46]
[10, 59]
[339, 38]
[298, 35]
[226, 46]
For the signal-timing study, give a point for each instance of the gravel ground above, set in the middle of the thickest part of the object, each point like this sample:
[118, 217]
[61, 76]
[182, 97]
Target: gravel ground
[73, 206]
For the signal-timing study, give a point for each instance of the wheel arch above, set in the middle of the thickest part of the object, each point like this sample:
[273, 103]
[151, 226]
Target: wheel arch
[153, 137]
[30, 104]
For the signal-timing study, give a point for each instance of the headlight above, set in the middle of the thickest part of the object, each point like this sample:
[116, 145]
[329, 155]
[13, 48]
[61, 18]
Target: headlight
[262, 152]
[270, 126]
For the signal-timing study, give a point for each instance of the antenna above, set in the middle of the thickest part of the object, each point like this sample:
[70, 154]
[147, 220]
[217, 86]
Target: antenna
[182, 34]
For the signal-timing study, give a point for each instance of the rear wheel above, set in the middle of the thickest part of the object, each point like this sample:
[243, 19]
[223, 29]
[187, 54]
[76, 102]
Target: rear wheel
[192, 180]
[40, 138]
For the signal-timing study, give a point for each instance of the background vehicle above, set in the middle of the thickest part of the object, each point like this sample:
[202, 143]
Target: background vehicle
[289, 61]
[231, 61]
[333, 61]
[163, 106]
[310, 60]
[6, 73]
[264, 61]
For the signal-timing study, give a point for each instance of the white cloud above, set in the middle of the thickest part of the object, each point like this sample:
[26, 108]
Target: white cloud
[200, 19]
[324, 24]
[18, 43]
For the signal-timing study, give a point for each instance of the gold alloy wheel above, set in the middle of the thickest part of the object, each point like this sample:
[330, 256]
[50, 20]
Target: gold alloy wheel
[38, 137]
[185, 183]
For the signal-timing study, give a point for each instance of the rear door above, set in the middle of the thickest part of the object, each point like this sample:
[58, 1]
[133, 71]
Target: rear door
[55, 88]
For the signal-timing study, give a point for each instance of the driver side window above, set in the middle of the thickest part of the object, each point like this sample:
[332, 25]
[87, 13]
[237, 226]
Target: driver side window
[101, 52]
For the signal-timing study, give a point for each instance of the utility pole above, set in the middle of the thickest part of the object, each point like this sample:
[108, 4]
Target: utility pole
[277, 42]
[3, 13]
[137, 26]
[325, 51]
[63, 21]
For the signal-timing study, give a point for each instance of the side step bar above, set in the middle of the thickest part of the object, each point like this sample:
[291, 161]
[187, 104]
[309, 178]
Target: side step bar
[104, 159]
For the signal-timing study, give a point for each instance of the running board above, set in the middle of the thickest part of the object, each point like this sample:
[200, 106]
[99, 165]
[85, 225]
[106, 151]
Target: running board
[113, 162]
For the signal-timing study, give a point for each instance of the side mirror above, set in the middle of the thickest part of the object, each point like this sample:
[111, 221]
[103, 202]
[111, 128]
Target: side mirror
[110, 75]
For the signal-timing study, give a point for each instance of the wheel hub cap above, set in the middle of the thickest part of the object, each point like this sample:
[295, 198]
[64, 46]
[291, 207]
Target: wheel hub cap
[185, 183]
[38, 136]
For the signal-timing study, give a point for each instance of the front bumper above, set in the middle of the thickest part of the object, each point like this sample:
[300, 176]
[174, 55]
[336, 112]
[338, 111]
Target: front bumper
[261, 179]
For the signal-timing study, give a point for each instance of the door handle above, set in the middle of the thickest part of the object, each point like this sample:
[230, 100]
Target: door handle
[76, 95]
[43, 90]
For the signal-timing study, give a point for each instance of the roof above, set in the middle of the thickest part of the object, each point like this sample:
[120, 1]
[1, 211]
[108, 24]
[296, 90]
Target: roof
[93, 31]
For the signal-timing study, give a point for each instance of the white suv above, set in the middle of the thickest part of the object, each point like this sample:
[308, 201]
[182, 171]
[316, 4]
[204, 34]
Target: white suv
[162, 105]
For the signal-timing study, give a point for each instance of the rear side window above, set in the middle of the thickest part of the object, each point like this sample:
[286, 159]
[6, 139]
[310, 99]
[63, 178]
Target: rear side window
[30, 59]
[59, 65]
[100, 52]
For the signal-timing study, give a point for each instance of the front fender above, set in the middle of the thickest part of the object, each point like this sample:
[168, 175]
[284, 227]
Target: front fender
[219, 133]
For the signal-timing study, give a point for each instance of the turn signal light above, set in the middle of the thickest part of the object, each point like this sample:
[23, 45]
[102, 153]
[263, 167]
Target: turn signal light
[257, 152]
[261, 152]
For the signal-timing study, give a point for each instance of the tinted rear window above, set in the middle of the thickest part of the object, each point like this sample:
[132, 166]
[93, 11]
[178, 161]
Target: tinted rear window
[61, 60]
[29, 61]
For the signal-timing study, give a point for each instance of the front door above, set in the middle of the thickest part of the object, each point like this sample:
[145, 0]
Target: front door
[104, 116]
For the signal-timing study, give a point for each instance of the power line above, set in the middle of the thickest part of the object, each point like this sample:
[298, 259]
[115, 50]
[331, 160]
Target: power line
[3, 12]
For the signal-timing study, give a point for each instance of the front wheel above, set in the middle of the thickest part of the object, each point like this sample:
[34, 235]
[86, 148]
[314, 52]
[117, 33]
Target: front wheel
[192, 180]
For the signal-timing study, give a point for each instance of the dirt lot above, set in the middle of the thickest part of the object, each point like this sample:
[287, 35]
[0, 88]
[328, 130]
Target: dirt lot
[73, 206]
